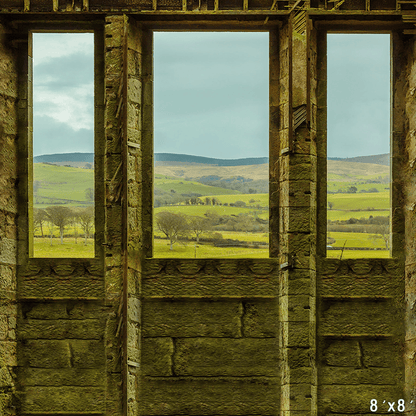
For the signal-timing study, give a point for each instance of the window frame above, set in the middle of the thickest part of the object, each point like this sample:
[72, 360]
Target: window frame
[25, 161]
[222, 26]
[396, 209]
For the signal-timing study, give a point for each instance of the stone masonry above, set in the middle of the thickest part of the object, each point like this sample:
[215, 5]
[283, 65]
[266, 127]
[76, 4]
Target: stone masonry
[127, 334]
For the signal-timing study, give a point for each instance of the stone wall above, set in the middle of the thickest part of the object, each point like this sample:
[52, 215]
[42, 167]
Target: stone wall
[8, 214]
[128, 334]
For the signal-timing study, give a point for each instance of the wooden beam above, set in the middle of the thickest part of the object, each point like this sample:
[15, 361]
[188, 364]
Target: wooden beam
[245, 4]
[55, 5]
[184, 5]
[216, 5]
[154, 5]
[26, 6]
[85, 5]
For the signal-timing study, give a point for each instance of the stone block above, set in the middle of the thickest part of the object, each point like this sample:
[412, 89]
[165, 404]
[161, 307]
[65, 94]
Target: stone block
[297, 334]
[45, 354]
[357, 317]
[260, 318]
[6, 379]
[81, 377]
[381, 353]
[134, 90]
[295, 308]
[191, 318]
[47, 400]
[359, 376]
[204, 396]
[356, 400]
[87, 354]
[61, 329]
[226, 357]
[157, 356]
[342, 353]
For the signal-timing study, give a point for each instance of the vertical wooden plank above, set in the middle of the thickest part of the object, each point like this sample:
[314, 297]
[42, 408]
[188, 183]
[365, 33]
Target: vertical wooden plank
[26, 6]
[216, 5]
[154, 5]
[85, 5]
[245, 5]
[55, 5]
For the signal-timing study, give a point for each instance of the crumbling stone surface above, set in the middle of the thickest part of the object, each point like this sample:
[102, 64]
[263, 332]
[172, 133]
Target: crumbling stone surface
[128, 334]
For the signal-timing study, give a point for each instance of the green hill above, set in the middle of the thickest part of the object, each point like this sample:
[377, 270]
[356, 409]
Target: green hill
[61, 185]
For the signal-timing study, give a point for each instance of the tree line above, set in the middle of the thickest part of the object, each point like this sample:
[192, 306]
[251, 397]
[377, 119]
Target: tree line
[176, 226]
[63, 217]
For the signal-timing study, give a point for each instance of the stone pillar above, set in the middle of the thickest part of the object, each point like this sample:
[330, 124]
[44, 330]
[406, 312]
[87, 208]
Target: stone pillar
[8, 219]
[128, 82]
[298, 215]
[404, 133]
[114, 34]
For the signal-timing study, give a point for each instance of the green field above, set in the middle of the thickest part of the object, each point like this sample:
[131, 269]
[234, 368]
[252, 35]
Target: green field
[42, 247]
[190, 250]
[335, 215]
[61, 184]
[200, 210]
[360, 201]
[69, 185]
[181, 186]
[257, 199]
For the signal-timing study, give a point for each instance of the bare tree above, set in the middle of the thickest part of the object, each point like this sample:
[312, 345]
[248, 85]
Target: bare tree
[383, 231]
[59, 216]
[172, 225]
[89, 194]
[198, 225]
[39, 219]
[330, 204]
[74, 222]
[86, 220]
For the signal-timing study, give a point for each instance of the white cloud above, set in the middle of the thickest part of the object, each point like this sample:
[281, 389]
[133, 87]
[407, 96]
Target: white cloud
[73, 108]
[48, 46]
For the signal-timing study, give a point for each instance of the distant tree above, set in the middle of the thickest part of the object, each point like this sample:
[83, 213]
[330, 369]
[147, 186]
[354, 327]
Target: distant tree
[382, 231]
[172, 225]
[198, 225]
[73, 221]
[89, 194]
[352, 189]
[39, 219]
[88, 166]
[207, 201]
[330, 204]
[240, 204]
[373, 190]
[36, 186]
[86, 220]
[59, 216]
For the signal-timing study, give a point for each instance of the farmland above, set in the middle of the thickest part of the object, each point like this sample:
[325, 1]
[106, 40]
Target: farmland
[226, 209]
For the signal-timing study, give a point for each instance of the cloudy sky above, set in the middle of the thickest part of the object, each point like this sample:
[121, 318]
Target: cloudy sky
[358, 94]
[211, 93]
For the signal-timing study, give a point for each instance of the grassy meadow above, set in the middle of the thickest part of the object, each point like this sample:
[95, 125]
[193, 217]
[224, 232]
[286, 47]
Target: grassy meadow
[235, 220]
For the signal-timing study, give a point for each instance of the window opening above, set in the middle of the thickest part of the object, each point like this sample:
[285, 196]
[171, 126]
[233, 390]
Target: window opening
[211, 135]
[358, 137]
[63, 145]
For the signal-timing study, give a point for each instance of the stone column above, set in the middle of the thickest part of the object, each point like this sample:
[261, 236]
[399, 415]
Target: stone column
[298, 172]
[8, 218]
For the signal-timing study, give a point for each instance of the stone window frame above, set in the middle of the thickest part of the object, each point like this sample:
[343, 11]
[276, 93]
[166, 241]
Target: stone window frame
[374, 26]
[26, 27]
[185, 24]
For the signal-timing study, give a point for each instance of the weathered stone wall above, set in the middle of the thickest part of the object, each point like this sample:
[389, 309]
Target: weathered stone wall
[360, 308]
[8, 213]
[124, 333]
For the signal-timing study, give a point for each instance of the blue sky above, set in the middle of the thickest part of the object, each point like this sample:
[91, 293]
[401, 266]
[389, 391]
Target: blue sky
[211, 93]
